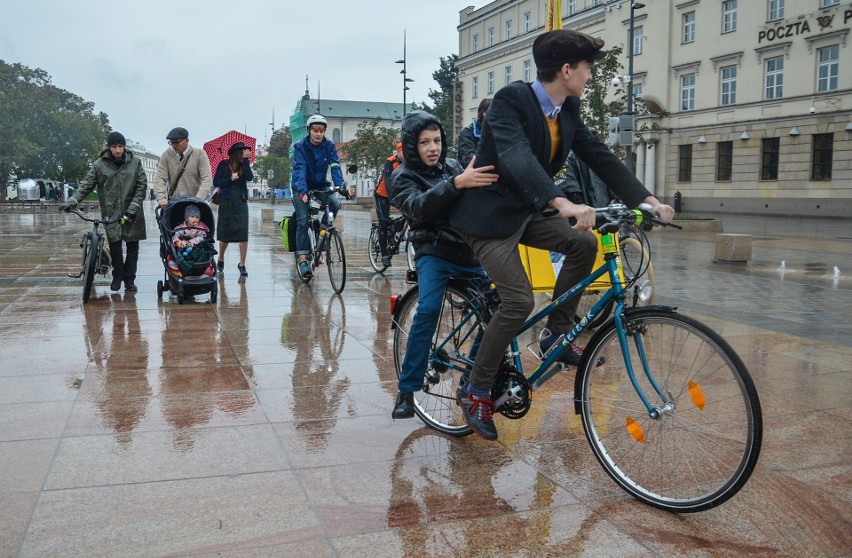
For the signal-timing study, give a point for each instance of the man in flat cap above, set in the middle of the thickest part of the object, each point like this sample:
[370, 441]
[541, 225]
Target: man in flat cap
[529, 131]
[182, 170]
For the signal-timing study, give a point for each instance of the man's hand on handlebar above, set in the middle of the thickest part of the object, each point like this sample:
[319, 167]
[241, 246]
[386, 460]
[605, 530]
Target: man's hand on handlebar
[584, 214]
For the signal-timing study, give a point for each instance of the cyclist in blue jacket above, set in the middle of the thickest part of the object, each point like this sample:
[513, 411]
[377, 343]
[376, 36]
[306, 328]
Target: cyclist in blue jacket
[313, 156]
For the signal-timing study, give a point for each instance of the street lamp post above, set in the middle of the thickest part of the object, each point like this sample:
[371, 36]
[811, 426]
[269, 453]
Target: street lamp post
[633, 7]
[405, 79]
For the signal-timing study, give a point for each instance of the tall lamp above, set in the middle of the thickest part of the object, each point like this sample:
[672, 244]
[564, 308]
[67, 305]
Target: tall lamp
[405, 79]
[633, 7]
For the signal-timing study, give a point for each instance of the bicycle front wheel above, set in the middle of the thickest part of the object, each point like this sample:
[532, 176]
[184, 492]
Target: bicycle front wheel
[452, 350]
[335, 261]
[702, 447]
[90, 260]
[374, 251]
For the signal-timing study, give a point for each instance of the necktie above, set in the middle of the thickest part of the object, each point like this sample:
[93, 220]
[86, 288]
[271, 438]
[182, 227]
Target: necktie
[181, 157]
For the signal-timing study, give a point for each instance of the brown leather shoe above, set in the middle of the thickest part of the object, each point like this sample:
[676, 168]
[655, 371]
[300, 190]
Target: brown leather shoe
[129, 285]
[116, 284]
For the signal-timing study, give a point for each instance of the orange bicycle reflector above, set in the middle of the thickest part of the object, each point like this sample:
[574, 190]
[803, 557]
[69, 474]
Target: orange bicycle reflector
[697, 395]
[635, 430]
[393, 299]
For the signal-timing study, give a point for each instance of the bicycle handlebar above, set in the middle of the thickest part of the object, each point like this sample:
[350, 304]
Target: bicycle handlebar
[610, 218]
[333, 190]
[79, 214]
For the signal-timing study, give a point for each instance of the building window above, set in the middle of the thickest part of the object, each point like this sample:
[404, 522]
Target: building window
[821, 156]
[527, 22]
[474, 87]
[637, 88]
[684, 163]
[829, 68]
[774, 78]
[475, 42]
[508, 74]
[729, 16]
[597, 2]
[572, 7]
[776, 10]
[490, 37]
[508, 33]
[827, 3]
[729, 85]
[638, 40]
[724, 160]
[335, 135]
[689, 27]
[527, 71]
[769, 148]
[687, 92]
[490, 82]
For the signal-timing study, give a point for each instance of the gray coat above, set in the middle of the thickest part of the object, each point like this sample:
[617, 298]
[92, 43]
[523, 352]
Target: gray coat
[515, 138]
[121, 189]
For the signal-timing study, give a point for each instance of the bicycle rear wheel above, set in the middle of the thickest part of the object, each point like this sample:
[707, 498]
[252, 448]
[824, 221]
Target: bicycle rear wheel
[90, 260]
[335, 261]
[704, 445]
[374, 251]
[451, 354]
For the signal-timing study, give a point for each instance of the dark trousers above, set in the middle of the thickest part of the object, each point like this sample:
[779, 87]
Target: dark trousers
[383, 215]
[502, 263]
[124, 268]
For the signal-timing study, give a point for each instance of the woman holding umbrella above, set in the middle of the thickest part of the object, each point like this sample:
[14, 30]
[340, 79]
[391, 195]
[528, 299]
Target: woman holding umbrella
[231, 178]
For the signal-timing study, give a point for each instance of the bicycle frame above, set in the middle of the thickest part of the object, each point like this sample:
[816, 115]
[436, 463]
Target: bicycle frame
[550, 365]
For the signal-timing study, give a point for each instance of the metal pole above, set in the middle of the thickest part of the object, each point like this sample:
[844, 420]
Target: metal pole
[629, 84]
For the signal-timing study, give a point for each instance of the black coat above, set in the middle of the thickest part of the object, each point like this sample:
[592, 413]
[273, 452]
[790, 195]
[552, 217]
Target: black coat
[424, 195]
[516, 140]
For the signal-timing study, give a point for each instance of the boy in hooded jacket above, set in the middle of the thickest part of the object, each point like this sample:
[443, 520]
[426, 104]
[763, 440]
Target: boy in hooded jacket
[424, 188]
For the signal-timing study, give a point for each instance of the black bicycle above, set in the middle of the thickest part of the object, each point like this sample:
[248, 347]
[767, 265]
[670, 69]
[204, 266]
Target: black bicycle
[397, 233]
[326, 242]
[96, 259]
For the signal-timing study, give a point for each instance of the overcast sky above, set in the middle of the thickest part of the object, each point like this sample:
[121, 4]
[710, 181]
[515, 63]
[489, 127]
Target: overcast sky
[212, 66]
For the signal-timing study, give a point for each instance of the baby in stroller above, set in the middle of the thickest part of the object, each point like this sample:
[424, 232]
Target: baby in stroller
[191, 232]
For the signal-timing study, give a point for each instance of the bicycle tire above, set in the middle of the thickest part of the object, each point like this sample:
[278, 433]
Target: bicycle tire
[409, 254]
[91, 262]
[636, 259]
[436, 403]
[703, 448]
[335, 261]
[374, 251]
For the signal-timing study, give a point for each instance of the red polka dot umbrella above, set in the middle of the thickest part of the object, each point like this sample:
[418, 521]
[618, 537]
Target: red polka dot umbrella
[217, 149]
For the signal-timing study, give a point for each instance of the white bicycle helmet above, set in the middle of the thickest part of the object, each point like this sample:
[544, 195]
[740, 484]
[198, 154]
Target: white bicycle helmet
[316, 119]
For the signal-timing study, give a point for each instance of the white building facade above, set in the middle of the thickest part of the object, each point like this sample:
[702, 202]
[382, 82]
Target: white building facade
[752, 98]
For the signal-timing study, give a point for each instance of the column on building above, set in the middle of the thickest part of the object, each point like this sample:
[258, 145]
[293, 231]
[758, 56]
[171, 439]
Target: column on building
[650, 151]
[640, 162]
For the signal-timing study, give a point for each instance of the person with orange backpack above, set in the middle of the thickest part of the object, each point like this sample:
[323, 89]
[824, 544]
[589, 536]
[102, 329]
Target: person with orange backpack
[383, 201]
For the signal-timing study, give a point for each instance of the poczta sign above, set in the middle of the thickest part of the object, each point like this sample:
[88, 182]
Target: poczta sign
[799, 28]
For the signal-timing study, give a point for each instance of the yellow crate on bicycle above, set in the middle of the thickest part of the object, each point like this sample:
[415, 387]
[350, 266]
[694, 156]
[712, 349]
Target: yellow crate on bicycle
[542, 276]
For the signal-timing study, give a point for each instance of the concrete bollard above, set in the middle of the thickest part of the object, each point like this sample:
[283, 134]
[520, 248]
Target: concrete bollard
[267, 214]
[733, 247]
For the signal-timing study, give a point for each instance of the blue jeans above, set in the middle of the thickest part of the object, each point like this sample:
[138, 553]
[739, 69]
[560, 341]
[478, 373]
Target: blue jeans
[303, 220]
[432, 276]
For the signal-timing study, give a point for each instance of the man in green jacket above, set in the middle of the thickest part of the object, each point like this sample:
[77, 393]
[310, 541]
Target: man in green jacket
[120, 179]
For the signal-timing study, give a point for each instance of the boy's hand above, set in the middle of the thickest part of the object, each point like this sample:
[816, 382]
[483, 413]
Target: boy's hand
[665, 212]
[584, 214]
[475, 177]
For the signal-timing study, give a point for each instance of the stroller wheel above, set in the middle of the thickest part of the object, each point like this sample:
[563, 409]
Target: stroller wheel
[180, 298]
[160, 289]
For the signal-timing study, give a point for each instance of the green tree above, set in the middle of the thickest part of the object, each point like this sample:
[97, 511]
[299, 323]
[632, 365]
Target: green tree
[45, 131]
[595, 109]
[372, 145]
[277, 159]
[446, 75]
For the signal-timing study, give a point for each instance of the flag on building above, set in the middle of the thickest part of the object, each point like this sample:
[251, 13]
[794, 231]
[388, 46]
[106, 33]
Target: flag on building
[553, 20]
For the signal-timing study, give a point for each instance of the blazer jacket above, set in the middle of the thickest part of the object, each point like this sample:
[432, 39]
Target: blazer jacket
[516, 140]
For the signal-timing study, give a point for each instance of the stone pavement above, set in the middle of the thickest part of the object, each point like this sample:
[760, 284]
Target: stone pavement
[260, 425]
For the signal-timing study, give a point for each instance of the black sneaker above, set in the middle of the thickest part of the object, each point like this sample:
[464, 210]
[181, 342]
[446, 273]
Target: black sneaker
[305, 270]
[477, 413]
[386, 261]
[116, 284]
[220, 266]
[573, 356]
[404, 407]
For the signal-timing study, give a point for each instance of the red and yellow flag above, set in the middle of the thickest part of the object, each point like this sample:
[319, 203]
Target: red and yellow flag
[553, 20]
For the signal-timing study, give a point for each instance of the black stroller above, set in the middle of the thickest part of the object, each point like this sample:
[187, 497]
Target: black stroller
[186, 275]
